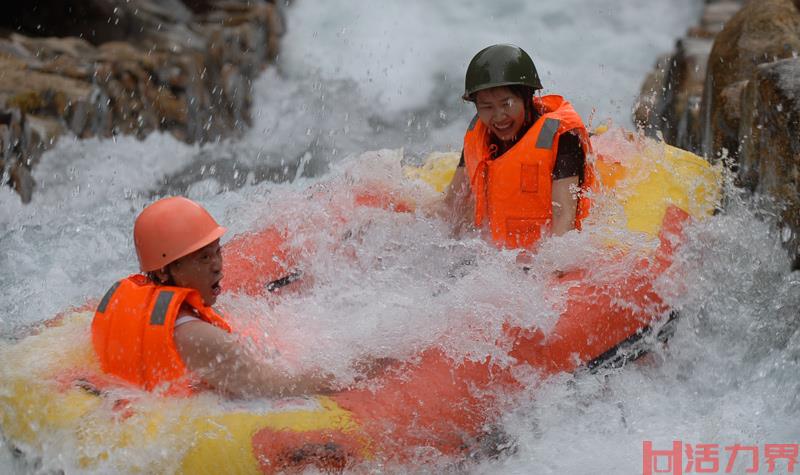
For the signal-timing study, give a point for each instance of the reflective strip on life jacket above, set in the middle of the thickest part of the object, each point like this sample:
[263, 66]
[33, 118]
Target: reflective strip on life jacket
[547, 135]
[513, 192]
[132, 333]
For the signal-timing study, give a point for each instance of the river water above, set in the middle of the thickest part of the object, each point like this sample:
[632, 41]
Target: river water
[355, 77]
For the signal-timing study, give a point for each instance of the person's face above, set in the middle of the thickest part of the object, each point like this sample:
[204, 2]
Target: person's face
[501, 111]
[200, 270]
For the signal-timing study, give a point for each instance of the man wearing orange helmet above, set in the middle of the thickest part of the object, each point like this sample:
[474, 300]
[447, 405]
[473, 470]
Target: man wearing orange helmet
[157, 330]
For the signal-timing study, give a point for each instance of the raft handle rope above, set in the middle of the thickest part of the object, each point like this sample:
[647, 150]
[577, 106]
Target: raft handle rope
[634, 346]
[284, 281]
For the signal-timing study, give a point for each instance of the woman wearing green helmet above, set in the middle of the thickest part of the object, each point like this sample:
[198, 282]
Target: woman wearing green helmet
[523, 168]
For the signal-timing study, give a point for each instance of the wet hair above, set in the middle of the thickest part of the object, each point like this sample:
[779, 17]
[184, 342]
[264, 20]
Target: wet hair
[154, 277]
[526, 94]
[523, 92]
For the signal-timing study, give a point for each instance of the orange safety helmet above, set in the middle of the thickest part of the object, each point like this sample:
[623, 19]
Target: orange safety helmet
[171, 228]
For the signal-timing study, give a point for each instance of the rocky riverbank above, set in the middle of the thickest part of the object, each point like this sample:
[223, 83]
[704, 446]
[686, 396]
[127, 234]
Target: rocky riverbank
[108, 67]
[731, 91]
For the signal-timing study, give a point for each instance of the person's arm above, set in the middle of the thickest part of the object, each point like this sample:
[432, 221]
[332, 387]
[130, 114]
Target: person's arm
[567, 176]
[565, 204]
[458, 203]
[220, 361]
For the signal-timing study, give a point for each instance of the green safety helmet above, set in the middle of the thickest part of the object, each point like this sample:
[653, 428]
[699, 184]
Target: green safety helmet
[500, 65]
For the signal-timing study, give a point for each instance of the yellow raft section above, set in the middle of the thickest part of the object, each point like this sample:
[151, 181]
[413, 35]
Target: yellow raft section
[44, 414]
[639, 178]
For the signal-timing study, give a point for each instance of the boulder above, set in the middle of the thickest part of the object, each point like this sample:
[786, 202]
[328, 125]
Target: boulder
[95, 20]
[669, 103]
[649, 110]
[47, 128]
[770, 155]
[131, 67]
[717, 14]
[687, 79]
[45, 49]
[20, 147]
[749, 100]
[763, 31]
[33, 91]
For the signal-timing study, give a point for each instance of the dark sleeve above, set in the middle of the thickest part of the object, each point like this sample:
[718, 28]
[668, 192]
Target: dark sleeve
[461, 162]
[569, 157]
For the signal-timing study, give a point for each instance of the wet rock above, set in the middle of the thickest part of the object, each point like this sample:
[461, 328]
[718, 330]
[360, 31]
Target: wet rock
[199, 6]
[171, 108]
[669, 104]
[46, 128]
[276, 26]
[686, 80]
[180, 67]
[97, 21]
[716, 15]
[670, 99]
[164, 11]
[761, 32]
[22, 181]
[770, 155]
[48, 49]
[20, 148]
[33, 91]
[649, 112]
[750, 107]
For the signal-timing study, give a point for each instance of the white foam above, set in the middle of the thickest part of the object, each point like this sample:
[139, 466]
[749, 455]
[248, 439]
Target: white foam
[399, 53]
[729, 374]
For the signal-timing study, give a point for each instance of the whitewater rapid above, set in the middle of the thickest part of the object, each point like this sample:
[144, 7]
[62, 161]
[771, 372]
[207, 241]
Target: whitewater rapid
[352, 78]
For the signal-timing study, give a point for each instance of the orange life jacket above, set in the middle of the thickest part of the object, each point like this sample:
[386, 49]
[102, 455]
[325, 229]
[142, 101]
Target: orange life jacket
[132, 333]
[514, 190]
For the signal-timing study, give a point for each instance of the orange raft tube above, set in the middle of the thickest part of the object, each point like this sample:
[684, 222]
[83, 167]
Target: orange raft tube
[447, 406]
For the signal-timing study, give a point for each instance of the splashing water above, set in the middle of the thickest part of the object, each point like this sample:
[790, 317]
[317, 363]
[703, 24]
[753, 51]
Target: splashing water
[353, 79]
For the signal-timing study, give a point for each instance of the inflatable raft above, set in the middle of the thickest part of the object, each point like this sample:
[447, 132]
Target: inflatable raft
[418, 412]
